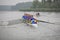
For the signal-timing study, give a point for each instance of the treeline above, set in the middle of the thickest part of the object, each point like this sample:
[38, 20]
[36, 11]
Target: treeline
[46, 4]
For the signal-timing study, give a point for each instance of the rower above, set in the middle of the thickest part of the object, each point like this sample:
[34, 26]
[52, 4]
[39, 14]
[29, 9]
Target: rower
[37, 14]
[33, 21]
[27, 17]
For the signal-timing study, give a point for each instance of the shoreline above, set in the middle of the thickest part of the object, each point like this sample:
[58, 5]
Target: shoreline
[42, 10]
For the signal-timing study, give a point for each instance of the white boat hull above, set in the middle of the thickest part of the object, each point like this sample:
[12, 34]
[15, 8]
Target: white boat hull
[34, 25]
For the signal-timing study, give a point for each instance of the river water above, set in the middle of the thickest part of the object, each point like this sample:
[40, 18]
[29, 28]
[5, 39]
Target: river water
[45, 31]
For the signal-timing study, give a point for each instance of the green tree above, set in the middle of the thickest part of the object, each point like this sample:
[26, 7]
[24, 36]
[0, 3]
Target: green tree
[43, 1]
[57, 3]
[49, 1]
[35, 4]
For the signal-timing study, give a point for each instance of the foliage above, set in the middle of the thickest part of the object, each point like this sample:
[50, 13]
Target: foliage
[35, 4]
[44, 6]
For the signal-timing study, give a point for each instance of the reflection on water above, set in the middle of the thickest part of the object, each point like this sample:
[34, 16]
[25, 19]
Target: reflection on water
[45, 31]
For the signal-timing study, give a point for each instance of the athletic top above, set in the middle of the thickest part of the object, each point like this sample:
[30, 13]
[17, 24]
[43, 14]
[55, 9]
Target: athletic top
[33, 21]
[26, 17]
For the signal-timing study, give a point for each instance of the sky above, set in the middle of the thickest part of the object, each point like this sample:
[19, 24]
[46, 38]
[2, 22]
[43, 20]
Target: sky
[13, 2]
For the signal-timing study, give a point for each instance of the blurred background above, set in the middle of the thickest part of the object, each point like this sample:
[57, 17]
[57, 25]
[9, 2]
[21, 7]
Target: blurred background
[13, 10]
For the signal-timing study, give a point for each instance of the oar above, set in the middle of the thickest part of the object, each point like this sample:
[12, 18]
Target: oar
[45, 22]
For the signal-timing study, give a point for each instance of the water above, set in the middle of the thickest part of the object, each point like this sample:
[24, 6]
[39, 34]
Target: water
[21, 31]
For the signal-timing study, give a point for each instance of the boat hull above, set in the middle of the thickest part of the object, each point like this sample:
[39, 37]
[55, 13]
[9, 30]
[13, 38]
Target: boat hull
[33, 25]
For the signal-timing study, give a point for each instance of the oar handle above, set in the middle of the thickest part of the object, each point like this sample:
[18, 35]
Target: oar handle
[45, 22]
